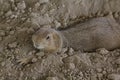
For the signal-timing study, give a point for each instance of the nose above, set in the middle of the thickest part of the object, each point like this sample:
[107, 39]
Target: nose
[39, 46]
[36, 45]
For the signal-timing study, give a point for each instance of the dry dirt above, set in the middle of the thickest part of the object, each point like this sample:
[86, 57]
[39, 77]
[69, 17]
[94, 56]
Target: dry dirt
[19, 19]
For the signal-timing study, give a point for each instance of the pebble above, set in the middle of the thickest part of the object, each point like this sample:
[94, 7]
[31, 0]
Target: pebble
[104, 72]
[74, 59]
[13, 16]
[8, 28]
[102, 51]
[8, 13]
[16, 50]
[2, 33]
[93, 78]
[37, 5]
[57, 24]
[70, 65]
[21, 5]
[99, 75]
[43, 1]
[40, 54]
[34, 60]
[12, 45]
[30, 30]
[52, 78]
[118, 61]
[81, 74]
[70, 52]
[12, 32]
[114, 76]
[3, 64]
[67, 59]
[99, 70]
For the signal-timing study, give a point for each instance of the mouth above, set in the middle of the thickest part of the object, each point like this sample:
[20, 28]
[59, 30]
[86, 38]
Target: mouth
[39, 47]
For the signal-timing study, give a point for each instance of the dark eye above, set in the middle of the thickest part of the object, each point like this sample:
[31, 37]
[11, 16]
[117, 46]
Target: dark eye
[48, 37]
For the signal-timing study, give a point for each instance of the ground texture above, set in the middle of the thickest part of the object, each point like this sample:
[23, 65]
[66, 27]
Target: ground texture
[19, 19]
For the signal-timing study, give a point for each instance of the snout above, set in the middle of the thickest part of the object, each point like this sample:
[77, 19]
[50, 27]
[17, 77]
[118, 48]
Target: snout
[39, 46]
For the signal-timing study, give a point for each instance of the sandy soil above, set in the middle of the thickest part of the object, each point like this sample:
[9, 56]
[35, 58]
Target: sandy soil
[19, 19]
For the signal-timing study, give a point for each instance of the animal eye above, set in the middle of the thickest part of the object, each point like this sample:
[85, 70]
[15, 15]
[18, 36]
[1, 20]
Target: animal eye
[48, 37]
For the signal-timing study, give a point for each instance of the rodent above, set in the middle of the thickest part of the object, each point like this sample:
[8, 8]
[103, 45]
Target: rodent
[48, 39]
[102, 32]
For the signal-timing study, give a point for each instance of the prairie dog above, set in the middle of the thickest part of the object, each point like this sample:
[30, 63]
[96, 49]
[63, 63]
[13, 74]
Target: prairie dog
[48, 40]
[102, 32]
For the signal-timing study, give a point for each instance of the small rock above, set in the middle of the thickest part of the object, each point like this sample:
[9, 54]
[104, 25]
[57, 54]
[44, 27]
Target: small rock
[70, 52]
[2, 33]
[99, 70]
[16, 51]
[23, 19]
[43, 1]
[8, 13]
[34, 78]
[21, 6]
[40, 54]
[81, 74]
[12, 32]
[52, 78]
[3, 64]
[99, 75]
[34, 60]
[70, 65]
[15, 8]
[37, 5]
[30, 30]
[57, 24]
[72, 59]
[8, 28]
[118, 61]
[104, 72]
[13, 16]
[67, 59]
[30, 9]
[8, 21]
[93, 77]
[102, 51]
[114, 76]
[64, 50]
[12, 45]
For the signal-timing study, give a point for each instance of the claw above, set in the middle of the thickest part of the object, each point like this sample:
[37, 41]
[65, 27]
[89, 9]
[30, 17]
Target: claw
[24, 61]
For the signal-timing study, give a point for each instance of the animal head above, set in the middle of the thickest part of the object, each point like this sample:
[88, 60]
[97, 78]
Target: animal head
[46, 39]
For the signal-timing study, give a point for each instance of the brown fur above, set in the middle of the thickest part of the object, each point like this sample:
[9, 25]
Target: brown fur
[55, 42]
[103, 32]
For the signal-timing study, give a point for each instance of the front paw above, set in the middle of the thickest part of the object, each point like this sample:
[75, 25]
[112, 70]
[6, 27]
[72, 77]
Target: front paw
[24, 61]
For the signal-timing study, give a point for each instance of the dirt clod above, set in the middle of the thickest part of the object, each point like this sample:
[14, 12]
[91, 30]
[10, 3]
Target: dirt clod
[12, 45]
[70, 66]
[114, 76]
[52, 78]
[20, 19]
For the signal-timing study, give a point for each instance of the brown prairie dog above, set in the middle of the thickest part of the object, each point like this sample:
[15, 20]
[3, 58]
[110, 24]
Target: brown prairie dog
[48, 40]
[103, 32]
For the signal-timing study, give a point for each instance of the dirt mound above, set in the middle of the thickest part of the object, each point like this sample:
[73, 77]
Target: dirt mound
[20, 19]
